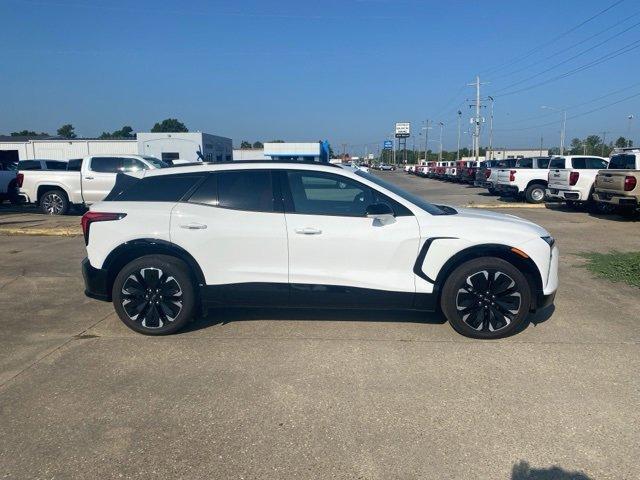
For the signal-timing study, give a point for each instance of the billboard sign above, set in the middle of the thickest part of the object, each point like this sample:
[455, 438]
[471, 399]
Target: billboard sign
[403, 130]
[387, 145]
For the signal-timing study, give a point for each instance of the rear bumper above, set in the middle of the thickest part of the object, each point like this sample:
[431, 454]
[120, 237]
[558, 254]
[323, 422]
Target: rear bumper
[507, 189]
[613, 199]
[95, 282]
[571, 195]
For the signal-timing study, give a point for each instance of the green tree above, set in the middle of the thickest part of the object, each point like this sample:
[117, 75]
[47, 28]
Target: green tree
[276, 141]
[257, 144]
[621, 142]
[170, 125]
[67, 131]
[23, 133]
[124, 132]
[576, 146]
[245, 144]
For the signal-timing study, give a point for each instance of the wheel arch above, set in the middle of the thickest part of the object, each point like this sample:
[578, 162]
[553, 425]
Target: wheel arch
[526, 265]
[544, 183]
[43, 188]
[129, 251]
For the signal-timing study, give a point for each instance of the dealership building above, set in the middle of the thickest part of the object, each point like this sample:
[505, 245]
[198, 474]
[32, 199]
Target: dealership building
[177, 147]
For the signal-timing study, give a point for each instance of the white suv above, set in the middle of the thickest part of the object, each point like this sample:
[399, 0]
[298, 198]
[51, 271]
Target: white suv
[167, 243]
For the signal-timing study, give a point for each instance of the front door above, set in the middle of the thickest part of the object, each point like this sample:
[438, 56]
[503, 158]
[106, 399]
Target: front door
[236, 232]
[338, 256]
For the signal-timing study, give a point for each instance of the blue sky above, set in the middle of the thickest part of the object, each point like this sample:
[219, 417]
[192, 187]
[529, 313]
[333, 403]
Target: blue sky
[344, 70]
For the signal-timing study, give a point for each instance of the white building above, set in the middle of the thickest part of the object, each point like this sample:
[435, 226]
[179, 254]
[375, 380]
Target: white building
[177, 147]
[308, 151]
[244, 154]
[501, 154]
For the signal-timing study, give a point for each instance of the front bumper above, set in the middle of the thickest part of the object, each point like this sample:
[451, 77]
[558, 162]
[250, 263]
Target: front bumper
[613, 199]
[95, 282]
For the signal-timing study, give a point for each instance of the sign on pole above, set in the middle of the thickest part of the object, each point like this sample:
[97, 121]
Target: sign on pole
[403, 130]
[387, 145]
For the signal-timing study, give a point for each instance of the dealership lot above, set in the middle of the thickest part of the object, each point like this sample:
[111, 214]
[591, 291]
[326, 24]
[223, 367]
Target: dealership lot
[284, 394]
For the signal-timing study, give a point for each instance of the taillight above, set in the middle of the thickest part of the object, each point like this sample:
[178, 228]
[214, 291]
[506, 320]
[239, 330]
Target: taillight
[19, 179]
[573, 178]
[91, 217]
[629, 183]
[512, 175]
[487, 173]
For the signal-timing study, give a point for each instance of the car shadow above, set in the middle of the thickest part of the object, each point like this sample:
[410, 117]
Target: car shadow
[523, 471]
[225, 315]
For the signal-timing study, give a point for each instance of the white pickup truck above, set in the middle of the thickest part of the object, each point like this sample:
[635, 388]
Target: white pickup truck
[85, 181]
[527, 178]
[572, 178]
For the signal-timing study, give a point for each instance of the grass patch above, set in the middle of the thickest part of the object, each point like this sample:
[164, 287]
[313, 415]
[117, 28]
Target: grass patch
[615, 266]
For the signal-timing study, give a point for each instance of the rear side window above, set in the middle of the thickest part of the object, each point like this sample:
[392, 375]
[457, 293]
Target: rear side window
[596, 163]
[74, 165]
[106, 164]
[250, 190]
[160, 188]
[53, 165]
[29, 165]
[621, 162]
[543, 163]
[524, 163]
[557, 162]
[579, 163]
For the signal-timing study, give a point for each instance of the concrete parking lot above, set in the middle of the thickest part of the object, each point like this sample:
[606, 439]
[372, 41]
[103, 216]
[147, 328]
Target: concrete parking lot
[318, 394]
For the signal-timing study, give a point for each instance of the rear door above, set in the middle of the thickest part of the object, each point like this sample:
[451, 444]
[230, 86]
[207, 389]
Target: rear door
[338, 256]
[234, 227]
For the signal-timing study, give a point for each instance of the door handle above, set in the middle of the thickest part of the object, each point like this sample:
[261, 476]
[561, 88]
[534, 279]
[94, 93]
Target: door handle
[194, 226]
[308, 231]
[88, 178]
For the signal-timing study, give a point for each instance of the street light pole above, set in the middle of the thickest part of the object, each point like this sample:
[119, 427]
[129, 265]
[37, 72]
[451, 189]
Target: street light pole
[441, 128]
[491, 130]
[459, 121]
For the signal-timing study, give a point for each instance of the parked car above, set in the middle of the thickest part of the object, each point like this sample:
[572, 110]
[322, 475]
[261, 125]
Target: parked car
[487, 174]
[528, 179]
[386, 167]
[450, 171]
[619, 185]
[8, 181]
[166, 243]
[468, 172]
[572, 178]
[83, 182]
[42, 164]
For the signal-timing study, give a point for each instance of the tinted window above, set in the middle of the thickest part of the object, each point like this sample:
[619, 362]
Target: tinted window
[156, 162]
[132, 165]
[543, 163]
[596, 163]
[29, 165]
[106, 164]
[579, 163]
[621, 162]
[557, 162]
[207, 192]
[53, 165]
[74, 165]
[161, 188]
[169, 157]
[525, 163]
[246, 190]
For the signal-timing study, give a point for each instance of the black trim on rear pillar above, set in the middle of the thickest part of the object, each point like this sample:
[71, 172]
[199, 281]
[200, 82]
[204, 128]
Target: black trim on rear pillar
[417, 267]
[95, 282]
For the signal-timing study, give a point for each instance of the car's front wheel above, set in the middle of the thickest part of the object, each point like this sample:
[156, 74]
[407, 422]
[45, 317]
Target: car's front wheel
[486, 298]
[154, 295]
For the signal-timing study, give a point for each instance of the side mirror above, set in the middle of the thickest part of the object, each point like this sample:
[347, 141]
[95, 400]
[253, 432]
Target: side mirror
[381, 213]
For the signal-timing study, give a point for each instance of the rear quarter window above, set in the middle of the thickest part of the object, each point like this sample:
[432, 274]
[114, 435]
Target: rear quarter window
[158, 188]
[556, 163]
[30, 165]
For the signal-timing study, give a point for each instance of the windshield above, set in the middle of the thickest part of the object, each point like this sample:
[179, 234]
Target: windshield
[417, 201]
[156, 162]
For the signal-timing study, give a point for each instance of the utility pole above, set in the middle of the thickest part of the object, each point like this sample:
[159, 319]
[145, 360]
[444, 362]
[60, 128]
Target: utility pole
[440, 153]
[604, 136]
[459, 121]
[477, 119]
[344, 152]
[491, 129]
[426, 140]
[541, 140]
[630, 119]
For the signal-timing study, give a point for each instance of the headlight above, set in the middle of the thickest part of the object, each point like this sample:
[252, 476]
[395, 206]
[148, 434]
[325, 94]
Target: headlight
[550, 240]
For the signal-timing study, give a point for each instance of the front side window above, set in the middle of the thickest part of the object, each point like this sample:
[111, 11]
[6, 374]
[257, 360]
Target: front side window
[106, 164]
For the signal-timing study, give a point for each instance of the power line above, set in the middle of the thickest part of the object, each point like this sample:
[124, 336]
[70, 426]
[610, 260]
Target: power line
[616, 53]
[556, 38]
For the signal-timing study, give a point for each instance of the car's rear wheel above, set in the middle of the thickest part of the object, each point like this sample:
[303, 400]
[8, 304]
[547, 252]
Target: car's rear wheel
[154, 295]
[535, 193]
[54, 202]
[486, 298]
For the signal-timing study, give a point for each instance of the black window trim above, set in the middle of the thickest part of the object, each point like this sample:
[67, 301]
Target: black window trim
[287, 197]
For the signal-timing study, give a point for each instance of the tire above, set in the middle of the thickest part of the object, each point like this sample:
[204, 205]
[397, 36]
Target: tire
[535, 193]
[492, 191]
[141, 290]
[474, 313]
[54, 202]
[12, 192]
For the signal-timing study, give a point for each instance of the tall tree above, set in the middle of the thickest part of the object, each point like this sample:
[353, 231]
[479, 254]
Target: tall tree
[258, 144]
[67, 131]
[621, 142]
[245, 144]
[28, 133]
[170, 125]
